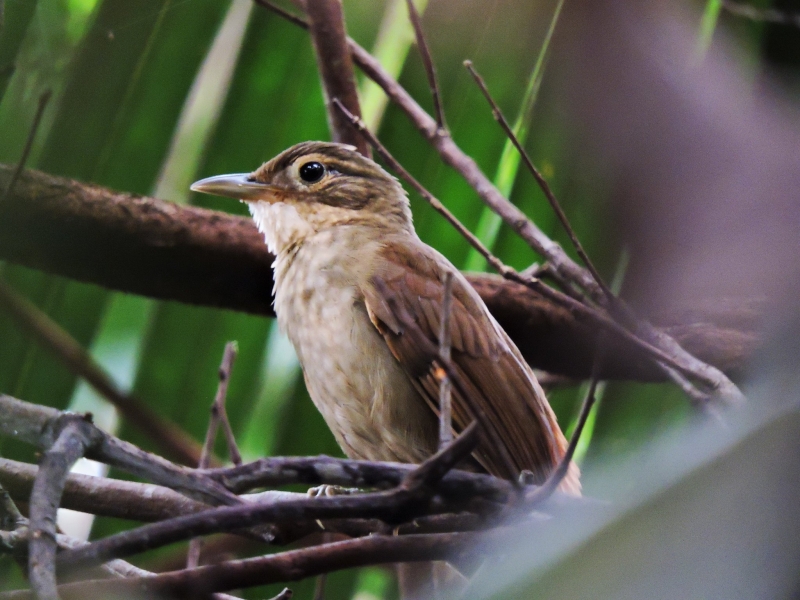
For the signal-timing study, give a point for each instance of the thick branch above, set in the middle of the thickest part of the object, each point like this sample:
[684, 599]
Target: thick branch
[154, 248]
[286, 566]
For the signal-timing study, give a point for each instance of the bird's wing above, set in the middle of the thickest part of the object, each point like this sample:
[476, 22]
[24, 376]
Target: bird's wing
[409, 278]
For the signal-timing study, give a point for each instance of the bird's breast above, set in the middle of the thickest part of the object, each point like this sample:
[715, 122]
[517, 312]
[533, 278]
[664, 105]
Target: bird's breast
[356, 383]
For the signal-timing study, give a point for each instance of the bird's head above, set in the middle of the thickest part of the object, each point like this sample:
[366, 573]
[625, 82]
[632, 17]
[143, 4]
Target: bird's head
[314, 186]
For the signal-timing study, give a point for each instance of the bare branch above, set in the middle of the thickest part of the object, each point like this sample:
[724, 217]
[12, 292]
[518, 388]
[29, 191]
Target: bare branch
[148, 502]
[17, 542]
[327, 29]
[74, 436]
[275, 471]
[218, 415]
[286, 566]
[9, 513]
[409, 499]
[103, 496]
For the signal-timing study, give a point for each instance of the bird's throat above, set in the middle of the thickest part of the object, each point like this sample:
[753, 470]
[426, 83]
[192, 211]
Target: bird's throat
[281, 224]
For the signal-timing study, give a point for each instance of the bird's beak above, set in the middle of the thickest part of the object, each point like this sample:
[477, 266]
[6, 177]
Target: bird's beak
[238, 185]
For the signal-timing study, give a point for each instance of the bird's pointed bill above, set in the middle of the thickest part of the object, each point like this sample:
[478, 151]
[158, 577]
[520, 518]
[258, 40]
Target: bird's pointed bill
[237, 185]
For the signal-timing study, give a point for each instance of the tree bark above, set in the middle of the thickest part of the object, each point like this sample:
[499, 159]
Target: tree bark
[146, 246]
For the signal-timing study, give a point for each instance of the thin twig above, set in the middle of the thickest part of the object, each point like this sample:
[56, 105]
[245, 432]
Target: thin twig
[431, 472]
[9, 513]
[169, 437]
[697, 397]
[37, 119]
[694, 367]
[427, 61]
[17, 542]
[545, 187]
[218, 414]
[537, 496]
[445, 387]
[292, 18]
[74, 435]
[25, 422]
[565, 270]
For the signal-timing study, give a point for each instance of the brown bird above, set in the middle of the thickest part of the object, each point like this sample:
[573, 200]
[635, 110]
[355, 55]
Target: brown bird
[339, 225]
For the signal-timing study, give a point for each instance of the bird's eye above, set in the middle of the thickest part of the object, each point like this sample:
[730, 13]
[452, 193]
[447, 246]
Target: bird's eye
[311, 172]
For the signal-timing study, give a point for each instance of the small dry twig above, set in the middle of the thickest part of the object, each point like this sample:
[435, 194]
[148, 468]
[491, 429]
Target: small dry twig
[412, 329]
[25, 422]
[427, 61]
[537, 496]
[541, 181]
[37, 119]
[319, 586]
[218, 415]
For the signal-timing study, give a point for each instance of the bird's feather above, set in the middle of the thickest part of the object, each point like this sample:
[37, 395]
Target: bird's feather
[491, 367]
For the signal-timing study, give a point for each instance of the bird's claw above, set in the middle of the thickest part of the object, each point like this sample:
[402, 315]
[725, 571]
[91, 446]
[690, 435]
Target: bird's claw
[331, 490]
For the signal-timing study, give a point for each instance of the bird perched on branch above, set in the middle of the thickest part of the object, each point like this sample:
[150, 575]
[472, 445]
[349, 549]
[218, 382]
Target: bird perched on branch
[347, 262]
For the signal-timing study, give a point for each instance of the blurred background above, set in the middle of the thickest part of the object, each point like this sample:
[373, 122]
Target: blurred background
[640, 119]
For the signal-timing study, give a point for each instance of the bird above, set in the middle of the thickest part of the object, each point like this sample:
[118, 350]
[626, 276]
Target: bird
[347, 258]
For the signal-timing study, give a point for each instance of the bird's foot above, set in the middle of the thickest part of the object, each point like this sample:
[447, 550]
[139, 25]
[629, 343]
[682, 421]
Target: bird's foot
[526, 477]
[331, 490]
